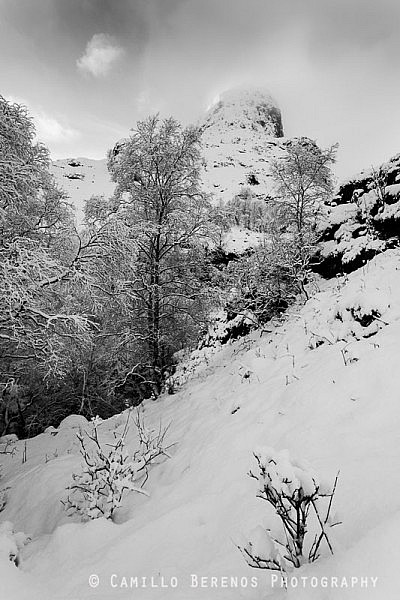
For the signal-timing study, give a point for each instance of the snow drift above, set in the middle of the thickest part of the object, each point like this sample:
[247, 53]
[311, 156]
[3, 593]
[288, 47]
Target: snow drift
[322, 384]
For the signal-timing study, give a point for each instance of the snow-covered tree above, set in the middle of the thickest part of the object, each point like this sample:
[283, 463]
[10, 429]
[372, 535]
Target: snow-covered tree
[303, 181]
[162, 214]
[39, 257]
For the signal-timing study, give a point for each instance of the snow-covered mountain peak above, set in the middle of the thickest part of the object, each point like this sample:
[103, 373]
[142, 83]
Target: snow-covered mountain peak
[251, 109]
[242, 133]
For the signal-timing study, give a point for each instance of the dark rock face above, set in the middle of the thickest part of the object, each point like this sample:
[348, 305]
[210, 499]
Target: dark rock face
[362, 220]
[75, 176]
[275, 117]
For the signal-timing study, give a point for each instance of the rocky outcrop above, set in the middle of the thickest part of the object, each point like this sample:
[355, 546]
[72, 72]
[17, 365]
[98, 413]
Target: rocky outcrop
[244, 109]
[362, 219]
[242, 132]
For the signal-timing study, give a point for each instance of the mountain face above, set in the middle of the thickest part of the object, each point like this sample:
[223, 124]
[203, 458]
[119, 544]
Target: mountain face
[246, 111]
[241, 133]
[82, 178]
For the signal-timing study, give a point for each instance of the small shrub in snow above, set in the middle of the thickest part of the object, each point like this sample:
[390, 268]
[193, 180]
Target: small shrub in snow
[109, 470]
[296, 495]
[11, 542]
[7, 444]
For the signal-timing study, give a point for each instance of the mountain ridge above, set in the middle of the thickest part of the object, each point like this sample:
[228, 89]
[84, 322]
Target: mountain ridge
[241, 133]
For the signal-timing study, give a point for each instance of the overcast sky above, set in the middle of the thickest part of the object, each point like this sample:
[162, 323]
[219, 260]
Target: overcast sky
[89, 69]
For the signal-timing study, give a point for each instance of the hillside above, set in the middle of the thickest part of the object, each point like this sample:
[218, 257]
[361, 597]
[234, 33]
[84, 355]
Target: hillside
[322, 383]
[82, 178]
[362, 219]
[241, 133]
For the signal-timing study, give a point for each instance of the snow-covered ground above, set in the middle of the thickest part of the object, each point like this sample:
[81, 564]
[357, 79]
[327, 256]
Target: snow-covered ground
[323, 383]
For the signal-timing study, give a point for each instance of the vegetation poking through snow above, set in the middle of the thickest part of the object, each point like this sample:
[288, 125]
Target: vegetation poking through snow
[11, 542]
[110, 470]
[295, 493]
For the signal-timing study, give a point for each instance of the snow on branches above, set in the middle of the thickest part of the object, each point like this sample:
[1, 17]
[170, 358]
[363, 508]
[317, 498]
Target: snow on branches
[110, 470]
[297, 496]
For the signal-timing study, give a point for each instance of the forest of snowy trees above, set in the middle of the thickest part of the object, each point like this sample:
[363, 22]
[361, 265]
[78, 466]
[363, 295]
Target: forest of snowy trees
[92, 315]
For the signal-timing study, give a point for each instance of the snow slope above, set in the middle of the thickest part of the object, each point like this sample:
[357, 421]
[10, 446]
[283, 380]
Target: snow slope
[323, 383]
[82, 178]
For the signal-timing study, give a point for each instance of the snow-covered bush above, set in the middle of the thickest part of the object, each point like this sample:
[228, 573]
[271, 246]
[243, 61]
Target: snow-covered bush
[109, 470]
[265, 282]
[354, 315]
[295, 493]
[11, 542]
[223, 328]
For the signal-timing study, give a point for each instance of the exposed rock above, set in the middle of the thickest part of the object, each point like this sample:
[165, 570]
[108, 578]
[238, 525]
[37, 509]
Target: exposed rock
[75, 176]
[362, 220]
[242, 132]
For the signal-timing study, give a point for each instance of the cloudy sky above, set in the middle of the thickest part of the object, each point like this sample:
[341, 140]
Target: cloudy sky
[89, 69]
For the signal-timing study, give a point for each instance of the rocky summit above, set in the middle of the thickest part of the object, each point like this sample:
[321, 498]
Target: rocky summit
[242, 132]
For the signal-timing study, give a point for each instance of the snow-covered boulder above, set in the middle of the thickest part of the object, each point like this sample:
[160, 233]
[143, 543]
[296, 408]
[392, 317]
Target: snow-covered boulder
[74, 422]
[51, 430]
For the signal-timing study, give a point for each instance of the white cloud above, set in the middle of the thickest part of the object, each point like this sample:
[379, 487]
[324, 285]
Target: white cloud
[101, 53]
[48, 129]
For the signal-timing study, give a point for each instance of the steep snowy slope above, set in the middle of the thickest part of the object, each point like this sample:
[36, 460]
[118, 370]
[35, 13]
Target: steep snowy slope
[323, 384]
[82, 178]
